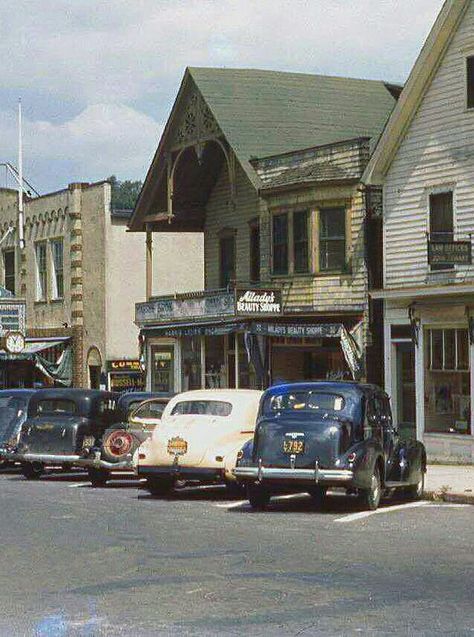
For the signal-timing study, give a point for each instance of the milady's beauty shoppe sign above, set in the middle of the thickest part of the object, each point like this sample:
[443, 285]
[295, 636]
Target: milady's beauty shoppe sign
[258, 301]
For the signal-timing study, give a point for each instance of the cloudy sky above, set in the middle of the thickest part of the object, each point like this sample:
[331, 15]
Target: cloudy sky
[97, 78]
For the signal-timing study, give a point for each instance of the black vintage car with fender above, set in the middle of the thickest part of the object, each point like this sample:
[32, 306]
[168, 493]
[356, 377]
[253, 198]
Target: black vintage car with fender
[61, 427]
[315, 436]
[13, 413]
[112, 453]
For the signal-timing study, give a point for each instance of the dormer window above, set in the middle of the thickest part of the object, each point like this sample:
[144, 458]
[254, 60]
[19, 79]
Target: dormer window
[470, 81]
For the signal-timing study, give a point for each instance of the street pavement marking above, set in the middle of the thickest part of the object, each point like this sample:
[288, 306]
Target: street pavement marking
[231, 505]
[235, 505]
[397, 507]
[79, 485]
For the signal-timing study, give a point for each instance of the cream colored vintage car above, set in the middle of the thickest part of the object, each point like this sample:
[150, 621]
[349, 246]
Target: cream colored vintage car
[199, 437]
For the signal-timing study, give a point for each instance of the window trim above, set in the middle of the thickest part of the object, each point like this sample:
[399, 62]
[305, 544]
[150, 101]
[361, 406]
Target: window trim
[54, 285]
[254, 224]
[440, 190]
[222, 235]
[4, 252]
[467, 56]
[290, 271]
[345, 267]
[41, 295]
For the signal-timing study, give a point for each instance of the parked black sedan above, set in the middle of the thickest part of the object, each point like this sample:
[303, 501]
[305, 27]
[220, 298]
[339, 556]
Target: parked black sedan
[13, 412]
[62, 426]
[314, 436]
[113, 451]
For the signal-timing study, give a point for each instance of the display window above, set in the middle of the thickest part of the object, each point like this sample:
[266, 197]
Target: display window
[162, 368]
[447, 381]
[190, 363]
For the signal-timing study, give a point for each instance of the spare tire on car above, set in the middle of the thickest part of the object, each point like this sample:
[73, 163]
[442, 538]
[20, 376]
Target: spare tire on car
[117, 444]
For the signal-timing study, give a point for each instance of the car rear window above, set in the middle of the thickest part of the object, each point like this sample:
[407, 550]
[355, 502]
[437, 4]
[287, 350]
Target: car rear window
[306, 401]
[202, 408]
[56, 407]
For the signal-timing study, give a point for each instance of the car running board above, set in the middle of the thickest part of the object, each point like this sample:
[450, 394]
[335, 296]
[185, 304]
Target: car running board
[395, 484]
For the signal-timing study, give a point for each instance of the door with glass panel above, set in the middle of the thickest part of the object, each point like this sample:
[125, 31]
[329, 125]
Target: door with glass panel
[405, 394]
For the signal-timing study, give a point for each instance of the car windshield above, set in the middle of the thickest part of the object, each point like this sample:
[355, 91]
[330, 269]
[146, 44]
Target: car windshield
[304, 400]
[56, 407]
[202, 408]
[12, 408]
[149, 410]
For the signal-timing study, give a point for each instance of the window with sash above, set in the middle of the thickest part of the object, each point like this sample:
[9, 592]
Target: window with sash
[332, 239]
[227, 259]
[441, 221]
[41, 271]
[290, 242]
[57, 258]
[9, 270]
[255, 251]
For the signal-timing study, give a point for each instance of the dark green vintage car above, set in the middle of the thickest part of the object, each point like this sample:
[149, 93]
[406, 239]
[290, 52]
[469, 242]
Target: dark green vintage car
[62, 426]
[321, 435]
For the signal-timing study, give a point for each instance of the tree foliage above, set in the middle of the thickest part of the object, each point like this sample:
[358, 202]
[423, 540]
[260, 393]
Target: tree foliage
[124, 193]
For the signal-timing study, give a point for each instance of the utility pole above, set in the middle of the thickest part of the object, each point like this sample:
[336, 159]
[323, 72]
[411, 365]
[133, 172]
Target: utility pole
[21, 236]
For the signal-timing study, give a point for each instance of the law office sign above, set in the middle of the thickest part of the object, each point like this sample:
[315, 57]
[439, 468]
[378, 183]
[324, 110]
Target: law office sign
[250, 302]
[449, 253]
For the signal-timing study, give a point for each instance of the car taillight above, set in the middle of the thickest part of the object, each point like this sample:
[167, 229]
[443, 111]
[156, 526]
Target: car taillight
[351, 457]
[141, 456]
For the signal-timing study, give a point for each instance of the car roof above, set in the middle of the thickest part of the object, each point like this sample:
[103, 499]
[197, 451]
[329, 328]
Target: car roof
[218, 394]
[17, 392]
[343, 386]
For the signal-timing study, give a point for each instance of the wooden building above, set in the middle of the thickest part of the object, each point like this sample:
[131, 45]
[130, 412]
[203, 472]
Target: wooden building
[425, 162]
[267, 166]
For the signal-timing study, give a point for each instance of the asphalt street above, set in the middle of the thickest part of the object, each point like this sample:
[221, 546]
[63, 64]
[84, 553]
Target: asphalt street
[115, 561]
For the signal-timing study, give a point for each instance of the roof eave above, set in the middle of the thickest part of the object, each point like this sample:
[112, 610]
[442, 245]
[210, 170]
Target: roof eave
[416, 86]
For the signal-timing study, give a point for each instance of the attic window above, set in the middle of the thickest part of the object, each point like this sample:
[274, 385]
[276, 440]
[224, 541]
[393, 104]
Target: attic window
[470, 81]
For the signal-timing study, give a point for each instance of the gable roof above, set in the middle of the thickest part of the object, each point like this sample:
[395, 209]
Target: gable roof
[263, 113]
[417, 85]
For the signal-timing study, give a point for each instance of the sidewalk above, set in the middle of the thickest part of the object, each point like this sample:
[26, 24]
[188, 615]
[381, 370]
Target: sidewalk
[452, 483]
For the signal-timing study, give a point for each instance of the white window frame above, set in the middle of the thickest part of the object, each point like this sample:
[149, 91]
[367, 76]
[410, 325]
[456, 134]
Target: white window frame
[55, 295]
[41, 294]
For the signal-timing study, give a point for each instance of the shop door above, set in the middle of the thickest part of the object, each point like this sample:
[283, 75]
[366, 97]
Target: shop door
[162, 370]
[405, 394]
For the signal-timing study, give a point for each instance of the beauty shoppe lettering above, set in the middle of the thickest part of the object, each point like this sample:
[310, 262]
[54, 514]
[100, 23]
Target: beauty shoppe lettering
[251, 302]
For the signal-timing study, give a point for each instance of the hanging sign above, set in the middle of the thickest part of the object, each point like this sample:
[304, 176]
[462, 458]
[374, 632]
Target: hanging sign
[449, 253]
[250, 301]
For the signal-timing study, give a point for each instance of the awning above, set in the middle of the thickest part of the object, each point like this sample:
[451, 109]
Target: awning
[33, 346]
[60, 371]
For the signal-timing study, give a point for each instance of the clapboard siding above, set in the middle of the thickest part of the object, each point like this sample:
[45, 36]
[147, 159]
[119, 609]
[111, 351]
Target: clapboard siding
[219, 215]
[436, 152]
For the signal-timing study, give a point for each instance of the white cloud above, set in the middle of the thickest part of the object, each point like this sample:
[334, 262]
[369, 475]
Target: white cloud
[132, 54]
[103, 139]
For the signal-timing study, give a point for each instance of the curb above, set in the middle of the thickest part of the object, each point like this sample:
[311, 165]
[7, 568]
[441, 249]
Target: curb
[458, 498]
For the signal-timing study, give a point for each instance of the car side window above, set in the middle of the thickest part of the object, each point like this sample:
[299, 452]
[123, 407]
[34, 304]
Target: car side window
[373, 419]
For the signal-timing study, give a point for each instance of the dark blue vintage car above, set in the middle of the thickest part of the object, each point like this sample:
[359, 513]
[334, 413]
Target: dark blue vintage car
[13, 411]
[320, 435]
[61, 427]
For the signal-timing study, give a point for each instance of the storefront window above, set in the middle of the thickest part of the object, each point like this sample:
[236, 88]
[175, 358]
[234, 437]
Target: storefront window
[162, 369]
[447, 381]
[216, 369]
[191, 362]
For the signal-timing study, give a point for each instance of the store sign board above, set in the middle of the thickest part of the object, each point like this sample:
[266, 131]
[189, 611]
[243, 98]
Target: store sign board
[12, 317]
[449, 253]
[126, 381]
[123, 365]
[295, 330]
[249, 302]
[219, 304]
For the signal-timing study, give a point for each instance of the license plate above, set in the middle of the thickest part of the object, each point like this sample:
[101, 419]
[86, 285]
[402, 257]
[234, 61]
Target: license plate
[293, 446]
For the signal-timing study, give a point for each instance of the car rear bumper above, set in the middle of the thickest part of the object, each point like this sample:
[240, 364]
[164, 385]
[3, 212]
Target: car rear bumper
[47, 458]
[303, 476]
[204, 474]
[100, 463]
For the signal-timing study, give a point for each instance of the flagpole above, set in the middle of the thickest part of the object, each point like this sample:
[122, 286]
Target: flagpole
[20, 182]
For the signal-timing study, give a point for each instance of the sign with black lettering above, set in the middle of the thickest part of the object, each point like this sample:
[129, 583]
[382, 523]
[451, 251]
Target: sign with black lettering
[250, 302]
[449, 253]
